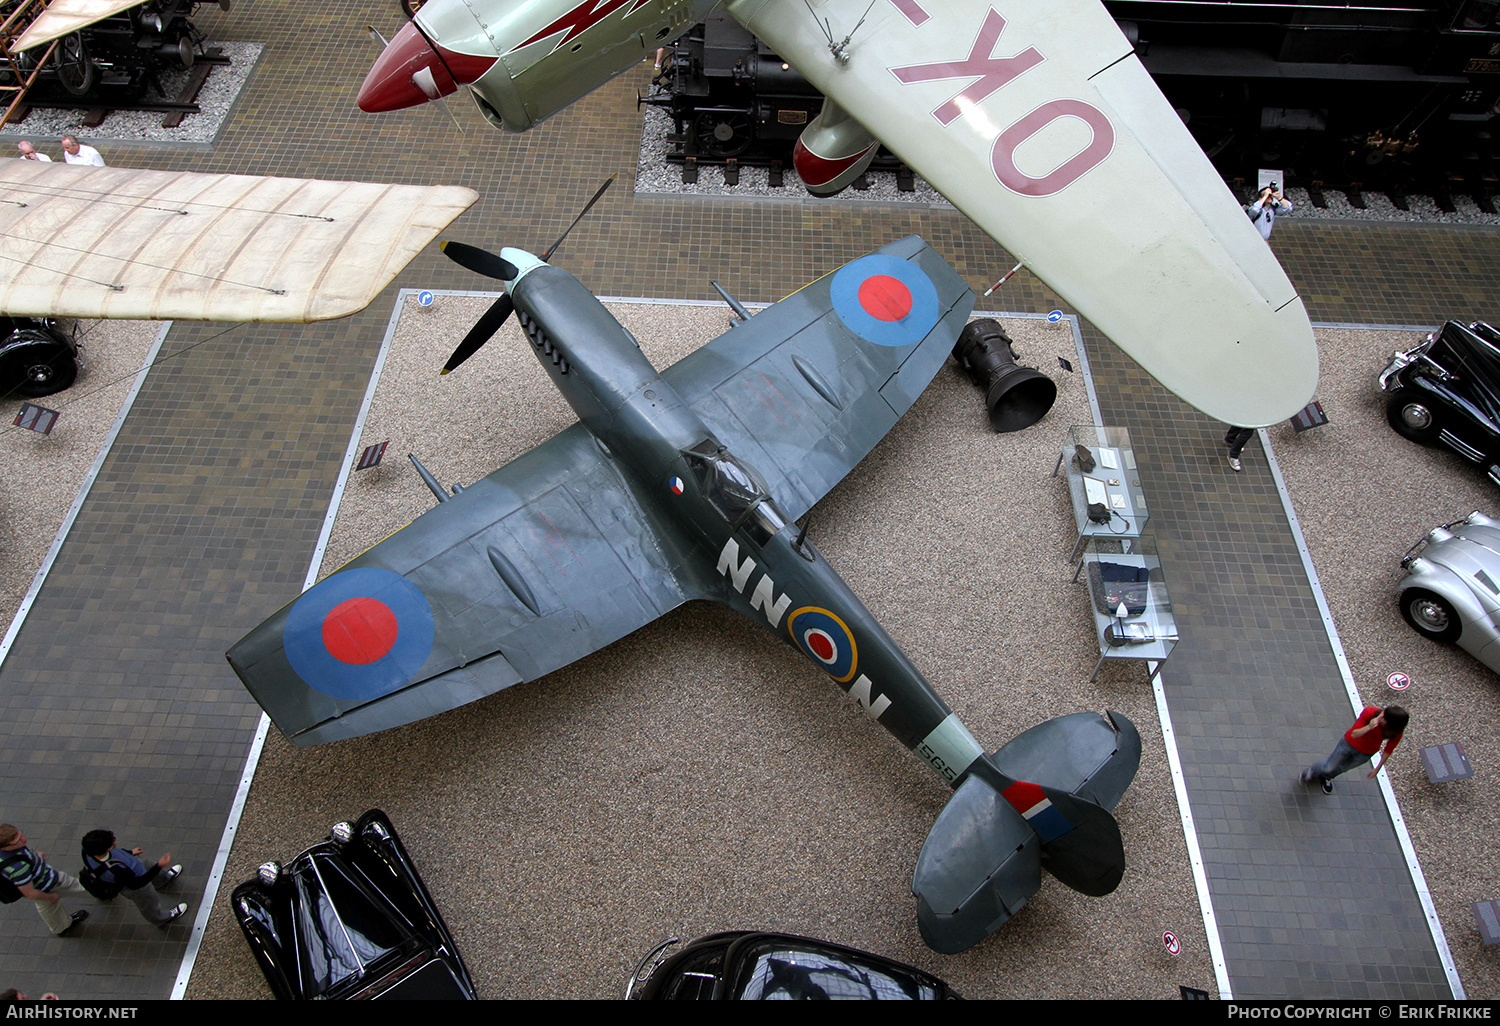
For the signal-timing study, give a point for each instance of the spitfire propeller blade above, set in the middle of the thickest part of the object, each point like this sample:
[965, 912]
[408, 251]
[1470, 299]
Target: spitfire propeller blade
[587, 207]
[481, 333]
[488, 264]
[479, 261]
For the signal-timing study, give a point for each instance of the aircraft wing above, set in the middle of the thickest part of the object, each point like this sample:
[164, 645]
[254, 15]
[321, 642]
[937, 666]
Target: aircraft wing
[1038, 121]
[64, 16]
[807, 387]
[157, 245]
[548, 559]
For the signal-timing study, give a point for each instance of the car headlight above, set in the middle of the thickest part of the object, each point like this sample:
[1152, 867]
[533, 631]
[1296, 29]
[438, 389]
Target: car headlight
[269, 873]
[342, 833]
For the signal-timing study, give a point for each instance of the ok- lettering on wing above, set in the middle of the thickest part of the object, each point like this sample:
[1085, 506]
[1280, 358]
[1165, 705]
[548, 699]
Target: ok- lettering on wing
[807, 387]
[544, 561]
[1038, 121]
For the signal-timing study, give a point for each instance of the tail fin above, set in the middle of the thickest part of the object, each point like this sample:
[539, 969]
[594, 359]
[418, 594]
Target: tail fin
[982, 858]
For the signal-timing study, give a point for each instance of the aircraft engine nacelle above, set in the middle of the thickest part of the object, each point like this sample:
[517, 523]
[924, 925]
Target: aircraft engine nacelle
[523, 60]
[833, 151]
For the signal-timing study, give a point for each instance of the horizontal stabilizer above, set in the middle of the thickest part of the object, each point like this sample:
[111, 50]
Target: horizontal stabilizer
[1041, 802]
[978, 867]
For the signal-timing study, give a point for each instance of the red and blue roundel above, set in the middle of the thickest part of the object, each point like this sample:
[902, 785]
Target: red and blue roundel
[825, 638]
[359, 634]
[885, 300]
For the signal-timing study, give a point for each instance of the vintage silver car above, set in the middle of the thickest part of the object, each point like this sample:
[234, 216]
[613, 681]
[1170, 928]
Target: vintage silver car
[1451, 588]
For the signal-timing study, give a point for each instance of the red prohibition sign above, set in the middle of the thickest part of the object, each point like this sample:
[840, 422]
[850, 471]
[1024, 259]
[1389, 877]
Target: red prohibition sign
[1398, 681]
[1173, 945]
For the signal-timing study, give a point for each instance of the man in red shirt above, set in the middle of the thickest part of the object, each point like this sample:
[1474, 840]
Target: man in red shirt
[1360, 743]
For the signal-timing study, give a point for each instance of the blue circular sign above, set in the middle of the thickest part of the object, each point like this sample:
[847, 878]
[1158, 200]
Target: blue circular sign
[360, 634]
[1055, 316]
[424, 298]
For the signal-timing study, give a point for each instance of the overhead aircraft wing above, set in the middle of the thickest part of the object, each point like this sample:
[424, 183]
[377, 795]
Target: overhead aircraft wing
[64, 16]
[548, 559]
[1038, 121]
[801, 392]
[101, 242]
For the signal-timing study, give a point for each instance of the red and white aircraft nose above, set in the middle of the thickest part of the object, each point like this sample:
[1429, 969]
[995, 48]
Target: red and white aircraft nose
[410, 71]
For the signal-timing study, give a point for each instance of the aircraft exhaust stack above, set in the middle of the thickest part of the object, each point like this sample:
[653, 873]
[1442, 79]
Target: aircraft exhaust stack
[1042, 801]
[1017, 397]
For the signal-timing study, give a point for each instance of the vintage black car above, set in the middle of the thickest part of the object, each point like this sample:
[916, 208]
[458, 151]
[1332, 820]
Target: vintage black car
[38, 356]
[349, 918]
[1447, 389]
[746, 966]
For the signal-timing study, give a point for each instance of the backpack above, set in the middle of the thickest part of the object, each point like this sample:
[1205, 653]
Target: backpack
[95, 883]
[9, 892]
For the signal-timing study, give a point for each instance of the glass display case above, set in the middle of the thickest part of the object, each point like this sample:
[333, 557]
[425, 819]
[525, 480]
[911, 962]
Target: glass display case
[1103, 482]
[1129, 601]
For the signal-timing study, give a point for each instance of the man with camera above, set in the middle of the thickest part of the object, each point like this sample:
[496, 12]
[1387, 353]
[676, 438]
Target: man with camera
[1267, 205]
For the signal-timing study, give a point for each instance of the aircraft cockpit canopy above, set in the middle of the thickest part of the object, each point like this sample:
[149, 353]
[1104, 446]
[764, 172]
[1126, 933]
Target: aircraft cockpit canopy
[734, 489]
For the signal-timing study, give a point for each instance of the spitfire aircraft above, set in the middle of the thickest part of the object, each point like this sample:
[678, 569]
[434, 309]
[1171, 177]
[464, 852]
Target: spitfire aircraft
[686, 484]
[1037, 120]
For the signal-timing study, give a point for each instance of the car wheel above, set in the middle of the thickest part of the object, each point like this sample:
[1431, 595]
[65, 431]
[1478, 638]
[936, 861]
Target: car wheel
[1431, 614]
[1412, 415]
[40, 365]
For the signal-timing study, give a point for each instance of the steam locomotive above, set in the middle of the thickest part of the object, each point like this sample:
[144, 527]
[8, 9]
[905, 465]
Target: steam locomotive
[1394, 96]
[117, 57]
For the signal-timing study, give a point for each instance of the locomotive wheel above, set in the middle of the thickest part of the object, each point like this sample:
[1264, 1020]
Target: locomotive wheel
[723, 133]
[76, 70]
[41, 367]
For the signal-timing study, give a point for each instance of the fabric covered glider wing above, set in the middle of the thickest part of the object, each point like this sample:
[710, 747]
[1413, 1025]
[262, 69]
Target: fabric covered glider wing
[1038, 121]
[544, 561]
[157, 245]
[64, 16]
[807, 387]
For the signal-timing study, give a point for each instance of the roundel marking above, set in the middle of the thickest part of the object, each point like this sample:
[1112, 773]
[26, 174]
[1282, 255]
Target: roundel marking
[674, 485]
[885, 300]
[359, 631]
[827, 639]
[360, 634]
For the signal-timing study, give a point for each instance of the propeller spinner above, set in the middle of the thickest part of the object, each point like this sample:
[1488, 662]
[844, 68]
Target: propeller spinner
[491, 266]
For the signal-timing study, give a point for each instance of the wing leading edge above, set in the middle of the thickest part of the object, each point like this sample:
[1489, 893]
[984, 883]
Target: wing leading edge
[1038, 121]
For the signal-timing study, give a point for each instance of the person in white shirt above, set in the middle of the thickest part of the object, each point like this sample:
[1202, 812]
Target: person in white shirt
[1267, 205]
[75, 152]
[28, 153]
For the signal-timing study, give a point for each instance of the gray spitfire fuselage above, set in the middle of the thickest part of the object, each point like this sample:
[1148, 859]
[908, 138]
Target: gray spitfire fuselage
[678, 485]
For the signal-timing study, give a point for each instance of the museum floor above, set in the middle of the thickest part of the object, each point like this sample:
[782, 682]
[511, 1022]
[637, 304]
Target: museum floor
[203, 520]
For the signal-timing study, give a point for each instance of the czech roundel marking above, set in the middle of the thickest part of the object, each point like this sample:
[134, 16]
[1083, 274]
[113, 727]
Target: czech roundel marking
[1398, 681]
[359, 634]
[885, 300]
[826, 639]
[674, 485]
[1172, 944]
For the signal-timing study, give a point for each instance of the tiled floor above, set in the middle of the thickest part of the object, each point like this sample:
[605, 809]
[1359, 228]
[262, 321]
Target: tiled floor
[206, 513]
